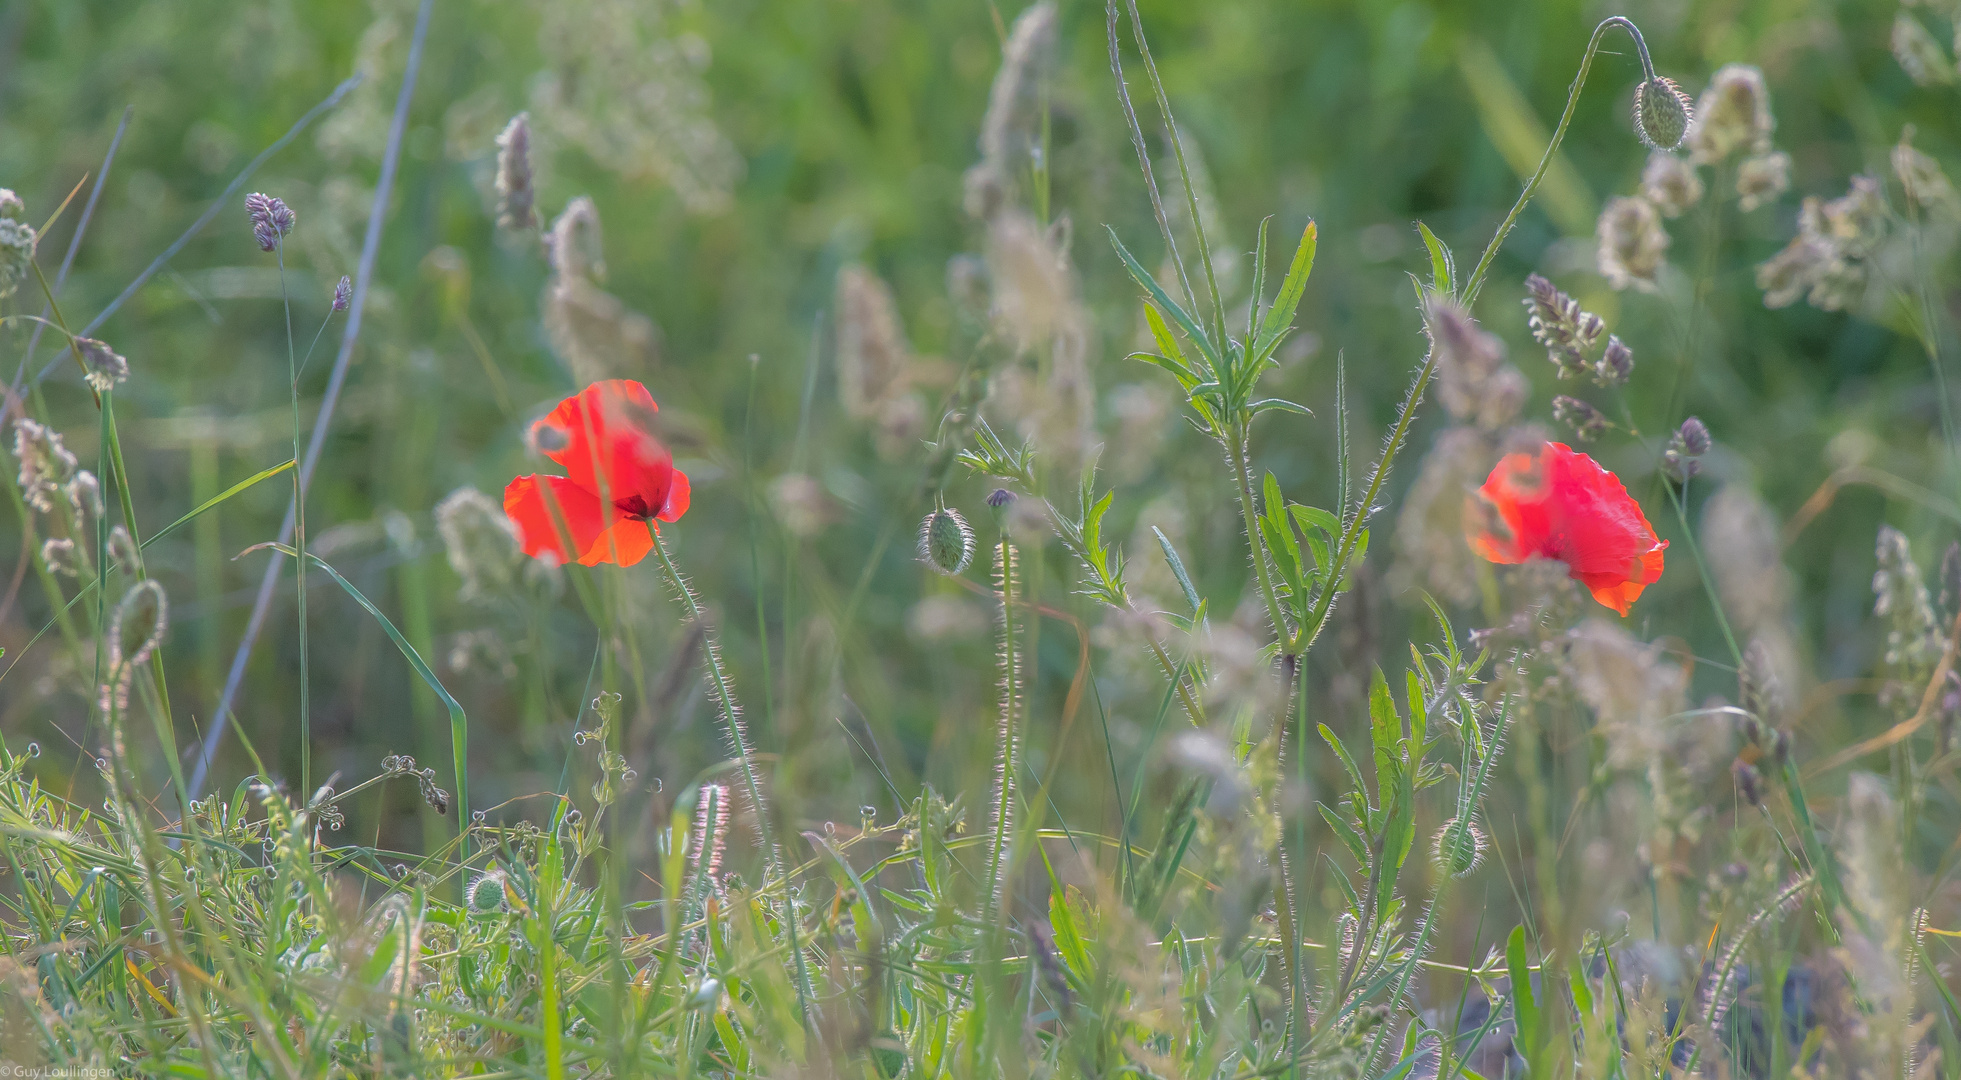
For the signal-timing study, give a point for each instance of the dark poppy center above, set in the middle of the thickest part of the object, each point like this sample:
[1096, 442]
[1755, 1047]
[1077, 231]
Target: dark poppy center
[633, 506]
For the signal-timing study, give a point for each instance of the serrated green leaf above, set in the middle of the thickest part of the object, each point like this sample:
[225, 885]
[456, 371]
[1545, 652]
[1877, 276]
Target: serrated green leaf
[1341, 752]
[1280, 316]
[1282, 404]
[1255, 317]
[1345, 833]
[1315, 517]
[1164, 301]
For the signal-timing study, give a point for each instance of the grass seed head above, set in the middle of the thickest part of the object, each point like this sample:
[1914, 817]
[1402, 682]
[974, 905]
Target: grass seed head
[45, 464]
[104, 366]
[271, 219]
[1682, 458]
[1927, 186]
[17, 243]
[1632, 243]
[1557, 322]
[480, 541]
[1918, 54]
[1671, 183]
[343, 293]
[1733, 115]
[514, 194]
[1586, 421]
[1762, 178]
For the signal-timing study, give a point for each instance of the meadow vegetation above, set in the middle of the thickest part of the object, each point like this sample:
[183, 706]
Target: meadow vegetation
[1218, 540]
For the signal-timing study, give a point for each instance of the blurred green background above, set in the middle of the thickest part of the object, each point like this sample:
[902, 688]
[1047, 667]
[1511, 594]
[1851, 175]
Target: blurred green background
[740, 153]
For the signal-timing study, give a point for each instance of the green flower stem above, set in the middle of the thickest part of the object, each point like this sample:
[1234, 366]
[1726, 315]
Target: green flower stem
[1476, 279]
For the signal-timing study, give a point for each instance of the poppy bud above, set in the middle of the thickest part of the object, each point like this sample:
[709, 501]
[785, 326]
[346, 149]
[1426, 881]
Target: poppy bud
[486, 893]
[1459, 847]
[1662, 113]
[1585, 420]
[946, 541]
[1000, 497]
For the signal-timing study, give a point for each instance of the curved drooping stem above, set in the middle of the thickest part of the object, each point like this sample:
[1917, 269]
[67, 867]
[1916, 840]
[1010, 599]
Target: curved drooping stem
[1476, 279]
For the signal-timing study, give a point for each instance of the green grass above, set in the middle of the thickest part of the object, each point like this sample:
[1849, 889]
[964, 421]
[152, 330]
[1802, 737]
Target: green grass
[1229, 759]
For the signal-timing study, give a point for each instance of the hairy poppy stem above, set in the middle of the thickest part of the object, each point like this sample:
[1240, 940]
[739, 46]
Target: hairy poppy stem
[1476, 279]
[711, 648]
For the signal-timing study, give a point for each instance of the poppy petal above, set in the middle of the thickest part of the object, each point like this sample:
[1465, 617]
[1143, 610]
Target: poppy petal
[603, 437]
[625, 543]
[677, 498]
[555, 516]
[1561, 504]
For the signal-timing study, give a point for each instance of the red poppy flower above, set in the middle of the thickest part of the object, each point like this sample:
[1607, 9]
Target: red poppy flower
[1559, 504]
[618, 479]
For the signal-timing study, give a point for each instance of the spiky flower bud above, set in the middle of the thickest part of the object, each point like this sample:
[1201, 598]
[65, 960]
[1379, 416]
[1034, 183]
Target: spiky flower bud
[103, 365]
[1616, 365]
[1662, 113]
[946, 541]
[999, 498]
[514, 194]
[1558, 323]
[1682, 458]
[486, 893]
[1459, 847]
[343, 293]
[1586, 421]
[271, 219]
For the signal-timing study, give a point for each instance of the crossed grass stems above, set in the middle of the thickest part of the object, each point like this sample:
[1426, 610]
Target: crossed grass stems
[1218, 375]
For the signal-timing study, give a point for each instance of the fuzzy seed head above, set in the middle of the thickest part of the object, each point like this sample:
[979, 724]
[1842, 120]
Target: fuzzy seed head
[1473, 381]
[1733, 115]
[1558, 323]
[1682, 458]
[58, 555]
[1671, 183]
[946, 542]
[1927, 186]
[1762, 178]
[873, 357]
[271, 219]
[1616, 364]
[1662, 113]
[514, 194]
[45, 464]
[481, 543]
[1586, 421]
[343, 293]
[104, 366]
[11, 206]
[1632, 243]
[1918, 54]
[17, 242]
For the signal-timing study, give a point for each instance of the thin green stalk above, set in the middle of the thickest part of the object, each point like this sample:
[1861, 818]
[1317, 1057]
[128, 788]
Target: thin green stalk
[1679, 497]
[299, 531]
[1243, 482]
[739, 739]
[1476, 280]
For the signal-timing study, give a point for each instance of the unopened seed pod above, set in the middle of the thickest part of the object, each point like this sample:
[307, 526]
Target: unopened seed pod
[946, 541]
[1459, 847]
[1662, 113]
